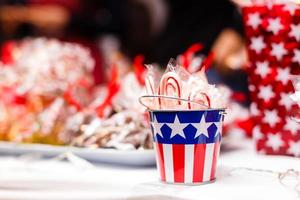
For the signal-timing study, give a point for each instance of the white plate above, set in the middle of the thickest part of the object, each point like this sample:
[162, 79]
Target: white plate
[129, 157]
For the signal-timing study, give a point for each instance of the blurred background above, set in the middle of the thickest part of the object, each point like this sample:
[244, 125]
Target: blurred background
[158, 29]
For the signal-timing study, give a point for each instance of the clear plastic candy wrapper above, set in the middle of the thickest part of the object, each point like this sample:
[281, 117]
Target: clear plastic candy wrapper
[48, 96]
[177, 82]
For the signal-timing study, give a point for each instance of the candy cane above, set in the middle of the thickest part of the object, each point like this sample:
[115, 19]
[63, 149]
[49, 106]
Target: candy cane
[193, 96]
[170, 85]
[149, 82]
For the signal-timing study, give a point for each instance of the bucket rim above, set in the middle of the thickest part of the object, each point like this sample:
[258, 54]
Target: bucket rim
[177, 110]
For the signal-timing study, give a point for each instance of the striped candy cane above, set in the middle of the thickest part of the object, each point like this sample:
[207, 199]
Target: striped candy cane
[199, 97]
[170, 85]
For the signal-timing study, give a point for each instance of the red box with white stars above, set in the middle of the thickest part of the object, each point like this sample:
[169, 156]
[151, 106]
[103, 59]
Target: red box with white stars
[273, 42]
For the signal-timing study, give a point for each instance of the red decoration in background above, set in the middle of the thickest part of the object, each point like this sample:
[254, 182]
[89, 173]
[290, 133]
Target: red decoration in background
[207, 62]
[113, 88]
[138, 64]
[189, 53]
[239, 97]
[70, 95]
[7, 52]
[273, 40]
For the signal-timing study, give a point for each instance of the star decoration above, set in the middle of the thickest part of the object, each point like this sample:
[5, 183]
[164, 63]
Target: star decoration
[257, 135]
[253, 109]
[295, 32]
[219, 127]
[257, 44]
[278, 50]
[262, 69]
[177, 127]
[156, 126]
[296, 57]
[266, 93]
[254, 20]
[292, 126]
[274, 141]
[275, 25]
[286, 101]
[294, 148]
[271, 117]
[202, 127]
[273, 43]
[283, 75]
[291, 8]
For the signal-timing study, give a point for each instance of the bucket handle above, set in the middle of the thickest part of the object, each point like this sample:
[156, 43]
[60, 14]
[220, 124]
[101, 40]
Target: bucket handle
[141, 98]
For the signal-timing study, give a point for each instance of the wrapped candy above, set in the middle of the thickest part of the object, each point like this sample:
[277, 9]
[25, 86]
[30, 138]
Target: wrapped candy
[114, 119]
[186, 115]
[179, 83]
[41, 81]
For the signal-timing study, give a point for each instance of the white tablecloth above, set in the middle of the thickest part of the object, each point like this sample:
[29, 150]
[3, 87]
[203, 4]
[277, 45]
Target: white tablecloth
[22, 178]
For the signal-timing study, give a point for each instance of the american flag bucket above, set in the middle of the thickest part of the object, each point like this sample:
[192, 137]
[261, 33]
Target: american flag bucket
[187, 144]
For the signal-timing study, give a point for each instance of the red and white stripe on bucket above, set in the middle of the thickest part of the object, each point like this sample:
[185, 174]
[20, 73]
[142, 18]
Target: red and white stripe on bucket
[187, 163]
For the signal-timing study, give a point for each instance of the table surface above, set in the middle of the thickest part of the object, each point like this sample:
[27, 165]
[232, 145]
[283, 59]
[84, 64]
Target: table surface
[27, 177]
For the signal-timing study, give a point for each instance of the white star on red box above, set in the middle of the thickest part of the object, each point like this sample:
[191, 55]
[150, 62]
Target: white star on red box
[285, 100]
[278, 50]
[257, 44]
[271, 117]
[262, 69]
[291, 7]
[274, 141]
[254, 20]
[294, 148]
[292, 126]
[266, 93]
[283, 75]
[295, 32]
[296, 57]
[275, 25]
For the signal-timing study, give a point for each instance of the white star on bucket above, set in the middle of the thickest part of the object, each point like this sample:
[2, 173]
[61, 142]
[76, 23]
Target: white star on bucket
[278, 50]
[202, 127]
[156, 126]
[274, 25]
[219, 128]
[254, 20]
[274, 141]
[271, 117]
[295, 31]
[283, 75]
[177, 127]
[266, 93]
[294, 148]
[257, 44]
[262, 69]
